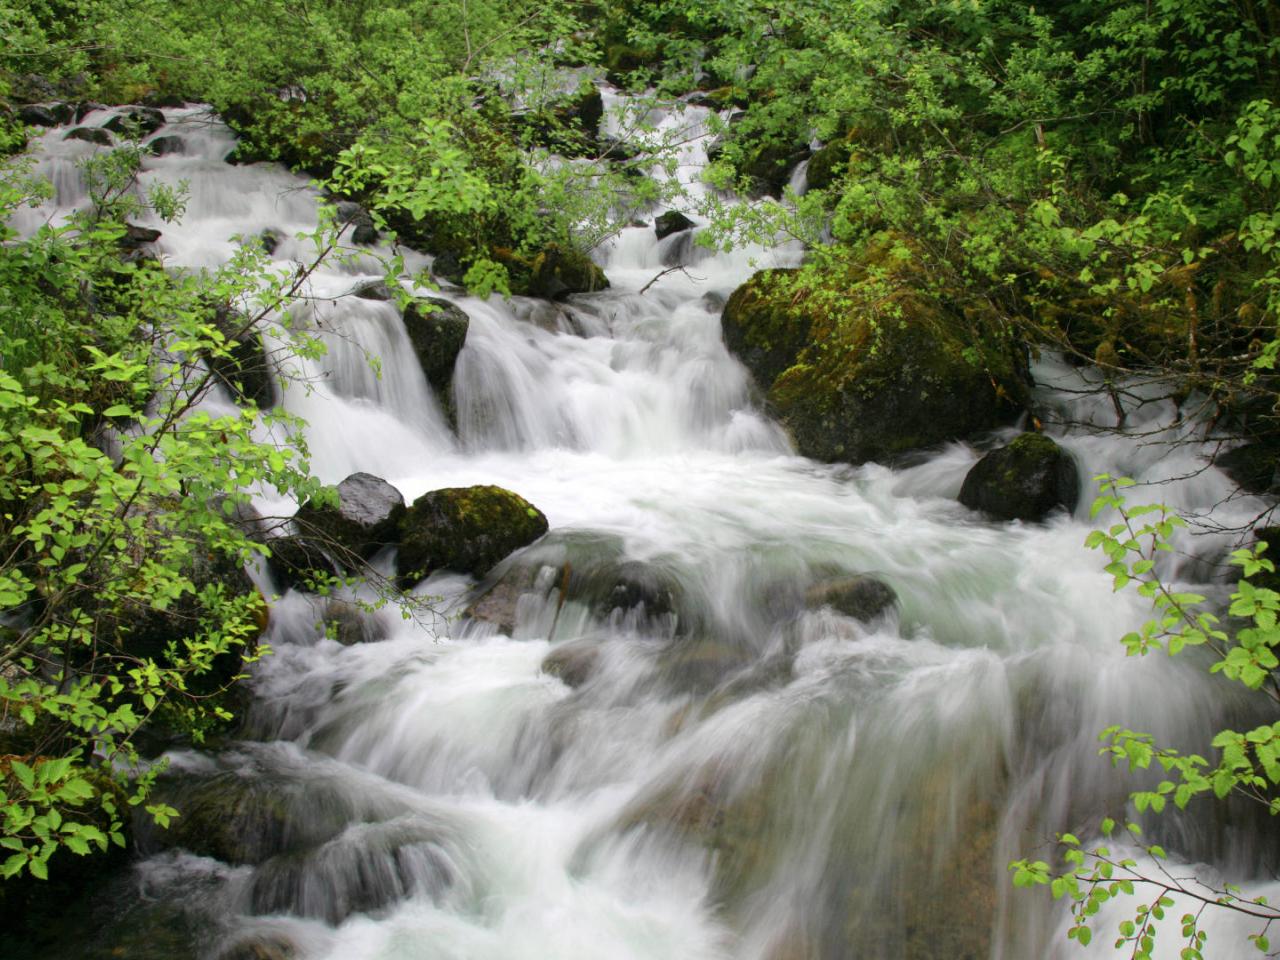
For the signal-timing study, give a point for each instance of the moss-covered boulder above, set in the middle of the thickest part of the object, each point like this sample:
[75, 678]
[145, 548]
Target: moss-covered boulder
[363, 520]
[864, 363]
[558, 271]
[438, 331]
[762, 329]
[467, 529]
[1026, 480]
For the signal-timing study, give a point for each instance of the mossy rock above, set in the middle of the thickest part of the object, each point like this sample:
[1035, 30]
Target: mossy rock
[437, 330]
[1026, 480]
[762, 329]
[560, 271]
[862, 364]
[467, 529]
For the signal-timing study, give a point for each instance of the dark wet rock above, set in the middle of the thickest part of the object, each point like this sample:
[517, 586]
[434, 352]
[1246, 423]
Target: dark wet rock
[86, 107]
[862, 596]
[437, 330]
[347, 623]
[467, 529]
[1026, 480]
[250, 815]
[1253, 466]
[673, 221]
[620, 151]
[732, 821]
[270, 240]
[166, 145]
[45, 114]
[828, 164]
[865, 366]
[165, 99]
[135, 121]
[367, 869]
[136, 236]
[297, 562]
[573, 661]
[447, 265]
[1270, 536]
[362, 230]
[94, 135]
[244, 368]
[363, 521]
[373, 290]
[583, 568]
[558, 272]
[624, 61]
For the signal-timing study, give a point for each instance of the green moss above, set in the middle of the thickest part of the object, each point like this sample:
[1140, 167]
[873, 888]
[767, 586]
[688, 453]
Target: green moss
[468, 529]
[864, 362]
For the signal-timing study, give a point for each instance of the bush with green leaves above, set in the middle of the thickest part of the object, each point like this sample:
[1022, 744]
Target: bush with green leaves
[124, 609]
[1237, 764]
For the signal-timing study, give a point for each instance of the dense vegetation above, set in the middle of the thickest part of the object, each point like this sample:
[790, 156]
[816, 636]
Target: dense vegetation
[1102, 177]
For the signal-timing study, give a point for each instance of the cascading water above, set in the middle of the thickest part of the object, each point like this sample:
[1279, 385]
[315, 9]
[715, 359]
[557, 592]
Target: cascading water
[733, 773]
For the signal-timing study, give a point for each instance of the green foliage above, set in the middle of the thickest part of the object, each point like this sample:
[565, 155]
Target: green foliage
[123, 605]
[1244, 764]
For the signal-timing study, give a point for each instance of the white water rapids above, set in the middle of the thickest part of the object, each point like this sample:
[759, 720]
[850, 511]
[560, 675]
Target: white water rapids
[741, 779]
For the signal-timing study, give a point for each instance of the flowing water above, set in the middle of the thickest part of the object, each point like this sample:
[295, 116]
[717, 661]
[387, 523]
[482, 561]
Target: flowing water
[738, 774]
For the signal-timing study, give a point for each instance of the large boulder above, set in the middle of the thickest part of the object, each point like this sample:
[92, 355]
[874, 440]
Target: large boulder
[467, 529]
[559, 271]
[762, 329]
[299, 562]
[363, 520]
[1026, 480]
[862, 364]
[438, 331]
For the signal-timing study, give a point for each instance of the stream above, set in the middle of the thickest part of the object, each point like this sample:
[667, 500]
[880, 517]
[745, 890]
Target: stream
[734, 773]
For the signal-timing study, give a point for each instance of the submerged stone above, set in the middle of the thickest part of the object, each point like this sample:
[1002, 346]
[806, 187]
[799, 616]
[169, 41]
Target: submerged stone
[862, 596]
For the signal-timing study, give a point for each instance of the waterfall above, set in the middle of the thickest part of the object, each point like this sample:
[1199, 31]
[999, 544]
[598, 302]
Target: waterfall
[737, 775]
